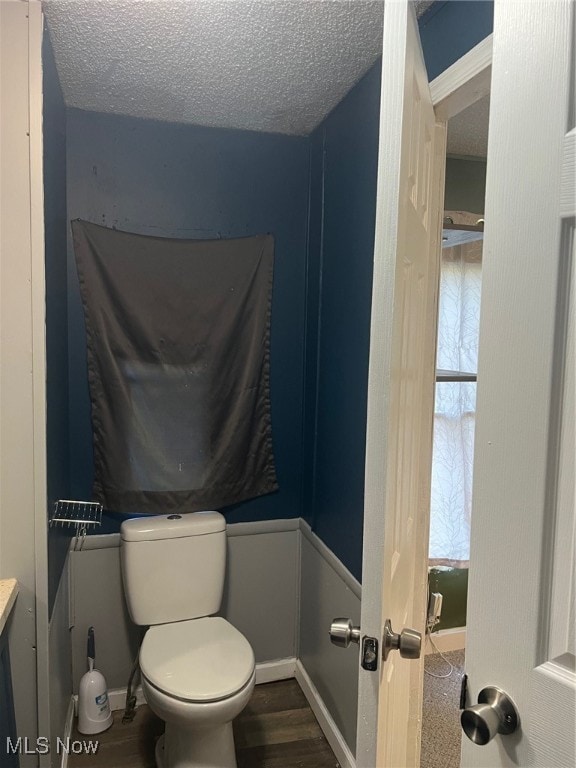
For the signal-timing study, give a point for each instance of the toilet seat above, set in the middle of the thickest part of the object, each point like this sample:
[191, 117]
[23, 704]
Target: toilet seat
[200, 660]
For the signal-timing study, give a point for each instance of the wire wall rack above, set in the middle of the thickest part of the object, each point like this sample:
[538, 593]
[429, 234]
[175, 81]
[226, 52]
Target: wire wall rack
[81, 514]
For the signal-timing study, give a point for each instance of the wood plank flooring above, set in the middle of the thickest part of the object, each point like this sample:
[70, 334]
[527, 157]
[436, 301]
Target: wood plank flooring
[276, 730]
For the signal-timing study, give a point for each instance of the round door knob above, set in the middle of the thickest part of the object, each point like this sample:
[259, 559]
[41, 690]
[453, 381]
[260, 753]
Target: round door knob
[408, 642]
[494, 713]
[342, 633]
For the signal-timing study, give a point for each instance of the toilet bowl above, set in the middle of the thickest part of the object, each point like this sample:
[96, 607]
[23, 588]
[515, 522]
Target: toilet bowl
[197, 676]
[198, 734]
[198, 671]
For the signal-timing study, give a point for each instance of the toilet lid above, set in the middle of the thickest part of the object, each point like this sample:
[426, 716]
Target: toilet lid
[199, 660]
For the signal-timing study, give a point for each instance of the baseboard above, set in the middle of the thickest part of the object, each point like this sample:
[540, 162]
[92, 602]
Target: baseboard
[446, 640]
[266, 672]
[68, 725]
[327, 724]
[271, 671]
[117, 698]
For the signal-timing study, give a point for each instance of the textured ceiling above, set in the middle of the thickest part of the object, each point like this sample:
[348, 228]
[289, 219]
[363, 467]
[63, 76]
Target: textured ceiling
[468, 131]
[268, 65]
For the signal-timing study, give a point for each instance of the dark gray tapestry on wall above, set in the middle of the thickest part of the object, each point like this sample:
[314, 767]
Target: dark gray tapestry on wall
[178, 339]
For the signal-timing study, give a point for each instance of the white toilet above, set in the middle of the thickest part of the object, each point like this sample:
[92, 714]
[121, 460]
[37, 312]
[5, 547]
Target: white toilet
[198, 671]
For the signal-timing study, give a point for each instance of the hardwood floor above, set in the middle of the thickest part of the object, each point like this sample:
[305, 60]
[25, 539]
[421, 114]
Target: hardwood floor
[276, 730]
[130, 745]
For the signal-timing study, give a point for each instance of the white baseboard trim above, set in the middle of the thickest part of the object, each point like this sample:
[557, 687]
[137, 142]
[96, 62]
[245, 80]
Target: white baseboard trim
[117, 698]
[447, 640]
[327, 724]
[271, 671]
[68, 725]
[266, 672]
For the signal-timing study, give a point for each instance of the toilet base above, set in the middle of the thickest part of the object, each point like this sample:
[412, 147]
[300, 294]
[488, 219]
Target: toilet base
[159, 753]
[198, 748]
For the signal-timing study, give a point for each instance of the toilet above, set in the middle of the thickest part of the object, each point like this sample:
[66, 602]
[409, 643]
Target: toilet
[198, 671]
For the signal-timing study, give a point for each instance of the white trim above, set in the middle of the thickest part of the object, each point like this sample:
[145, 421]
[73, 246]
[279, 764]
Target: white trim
[117, 698]
[352, 583]
[446, 640]
[266, 672]
[38, 306]
[68, 725]
[109, 540]
[466, 81]
[271, 671]
[263, 526]
[325, 720]
[298, 606]
[97, 541]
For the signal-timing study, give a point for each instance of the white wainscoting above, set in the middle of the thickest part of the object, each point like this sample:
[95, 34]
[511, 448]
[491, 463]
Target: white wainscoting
[59, 654]
[328, 590]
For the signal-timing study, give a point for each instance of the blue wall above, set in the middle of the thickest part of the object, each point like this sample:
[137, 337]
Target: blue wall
[183, 181]
[344, 155]
[450, 29]
[58, 470]
[317, 196]
[344, 152]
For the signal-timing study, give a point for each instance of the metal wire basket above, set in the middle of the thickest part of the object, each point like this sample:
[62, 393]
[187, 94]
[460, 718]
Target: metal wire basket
[81, 514]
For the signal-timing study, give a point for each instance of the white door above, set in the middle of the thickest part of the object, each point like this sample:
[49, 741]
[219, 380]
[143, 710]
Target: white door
[400, 395]
[521, 616]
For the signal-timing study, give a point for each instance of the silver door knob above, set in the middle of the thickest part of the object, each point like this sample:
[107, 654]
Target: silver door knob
[408, 642]
[342, 632]
[494, 713]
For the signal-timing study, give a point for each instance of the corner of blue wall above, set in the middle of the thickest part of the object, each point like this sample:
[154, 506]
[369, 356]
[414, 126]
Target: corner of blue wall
[450, 29]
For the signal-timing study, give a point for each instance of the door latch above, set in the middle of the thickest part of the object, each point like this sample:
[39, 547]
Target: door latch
[369, 660]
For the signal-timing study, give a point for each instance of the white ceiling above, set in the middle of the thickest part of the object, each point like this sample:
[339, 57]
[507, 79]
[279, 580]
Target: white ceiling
[264, 65]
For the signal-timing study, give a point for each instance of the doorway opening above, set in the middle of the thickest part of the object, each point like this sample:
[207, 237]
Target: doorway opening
[454, 421]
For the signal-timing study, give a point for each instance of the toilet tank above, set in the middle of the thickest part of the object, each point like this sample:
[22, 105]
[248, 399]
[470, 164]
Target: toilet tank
[173, 566]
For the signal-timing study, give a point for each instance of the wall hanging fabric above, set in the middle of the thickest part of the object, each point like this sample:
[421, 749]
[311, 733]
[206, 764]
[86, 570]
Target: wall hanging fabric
[178, 338]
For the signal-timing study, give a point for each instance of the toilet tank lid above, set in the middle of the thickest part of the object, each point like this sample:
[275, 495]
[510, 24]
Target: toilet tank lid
[172, 526]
